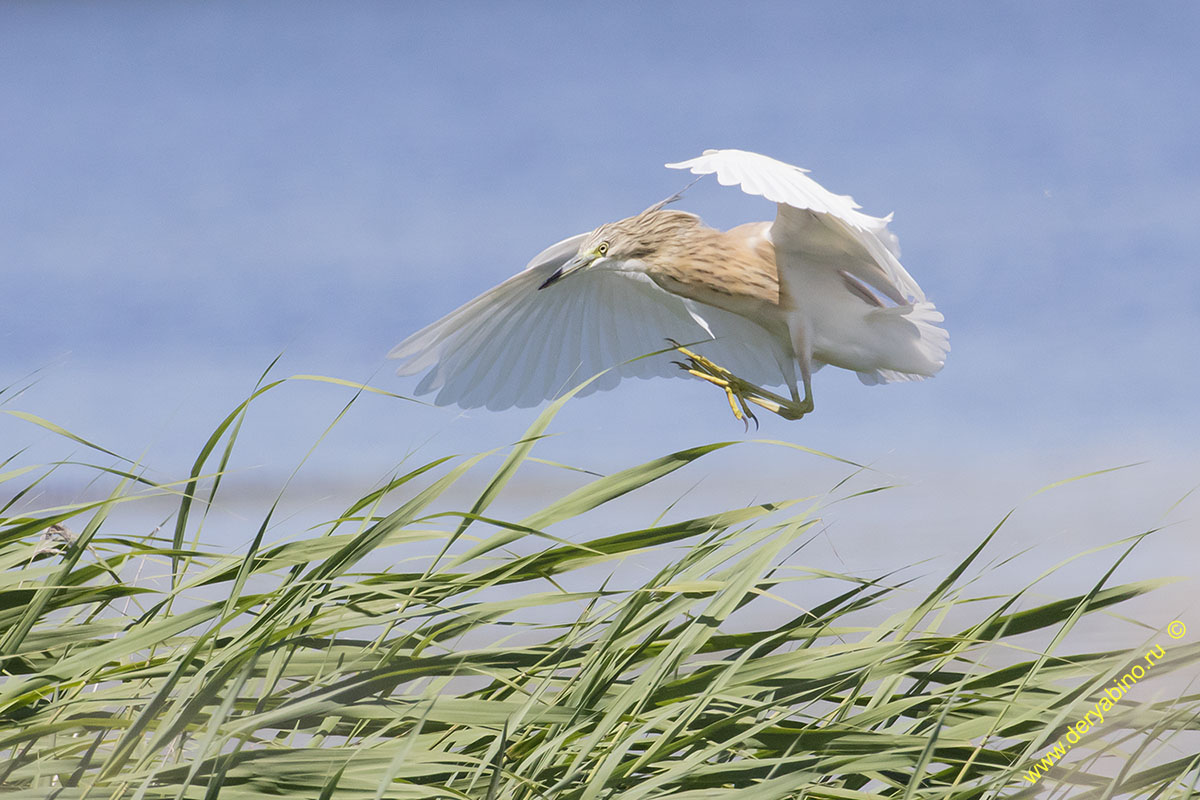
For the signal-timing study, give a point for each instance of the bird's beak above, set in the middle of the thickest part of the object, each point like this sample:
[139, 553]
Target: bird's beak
[575, 264]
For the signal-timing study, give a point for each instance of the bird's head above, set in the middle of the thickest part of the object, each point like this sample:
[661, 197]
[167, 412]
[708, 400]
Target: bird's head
[628, 243]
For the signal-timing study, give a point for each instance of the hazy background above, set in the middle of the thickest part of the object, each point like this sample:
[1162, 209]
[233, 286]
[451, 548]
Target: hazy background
[189, 189]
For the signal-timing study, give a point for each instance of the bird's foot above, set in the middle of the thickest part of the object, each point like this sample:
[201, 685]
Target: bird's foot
[740, 392]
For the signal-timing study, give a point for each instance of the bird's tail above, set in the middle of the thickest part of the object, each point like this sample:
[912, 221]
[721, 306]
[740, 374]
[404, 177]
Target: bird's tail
[914, 346]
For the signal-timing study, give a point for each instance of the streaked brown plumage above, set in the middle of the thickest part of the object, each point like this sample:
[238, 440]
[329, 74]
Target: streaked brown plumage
[684, 256]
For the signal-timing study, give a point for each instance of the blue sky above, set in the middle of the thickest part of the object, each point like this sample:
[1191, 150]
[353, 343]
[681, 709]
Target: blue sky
[189, 189]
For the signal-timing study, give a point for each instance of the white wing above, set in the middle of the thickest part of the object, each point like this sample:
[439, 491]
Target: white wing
[516, 346]
[826, 228]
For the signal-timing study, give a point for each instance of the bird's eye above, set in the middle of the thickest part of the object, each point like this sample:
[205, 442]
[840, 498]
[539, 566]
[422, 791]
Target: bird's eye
[602, 248]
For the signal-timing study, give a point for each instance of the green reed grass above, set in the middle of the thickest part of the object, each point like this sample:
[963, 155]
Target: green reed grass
[299, 670]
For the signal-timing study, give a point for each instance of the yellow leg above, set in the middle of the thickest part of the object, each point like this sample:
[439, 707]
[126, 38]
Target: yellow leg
[742, 391]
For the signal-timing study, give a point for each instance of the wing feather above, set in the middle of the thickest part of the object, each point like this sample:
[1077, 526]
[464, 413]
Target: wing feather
[530, 374]
[524, 364]
[516, 346]
[474, 357]
[483, 374]
[814, 222]
[609, 329]
[559, 320]
[568, 370]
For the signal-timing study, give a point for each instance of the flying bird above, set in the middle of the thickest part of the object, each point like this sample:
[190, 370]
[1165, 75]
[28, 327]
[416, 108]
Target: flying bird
[763, 304]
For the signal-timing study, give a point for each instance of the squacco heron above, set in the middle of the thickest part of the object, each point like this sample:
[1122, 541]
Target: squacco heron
[759, 305]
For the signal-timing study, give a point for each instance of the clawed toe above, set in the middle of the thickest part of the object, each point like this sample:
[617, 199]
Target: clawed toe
[739, 392]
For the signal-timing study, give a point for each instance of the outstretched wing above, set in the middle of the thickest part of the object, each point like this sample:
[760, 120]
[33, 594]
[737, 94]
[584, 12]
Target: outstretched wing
[517, 346]
[825, 230]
